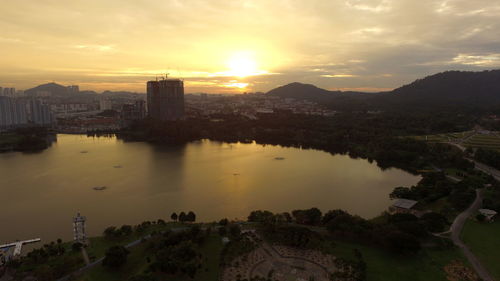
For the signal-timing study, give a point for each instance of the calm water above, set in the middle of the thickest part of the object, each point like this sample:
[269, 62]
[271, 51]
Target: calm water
[41, 192]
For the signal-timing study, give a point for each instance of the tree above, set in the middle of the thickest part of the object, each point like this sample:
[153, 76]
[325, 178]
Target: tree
[222, 231]
[434, 222]
[115, 257]
[126, 230]
[260, 216]
[310, 216]
[174, 216]
[76, 246]
[191, 216]
[402, 243]
[235, 230]
[402, 192]
[330, 215]
[402, 217]
[110, 232]
[182, 217]
[480, 217]
[223, 222]
[143, 277]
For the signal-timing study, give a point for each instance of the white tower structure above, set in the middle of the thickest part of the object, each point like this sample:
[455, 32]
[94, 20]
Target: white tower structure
[79, 229]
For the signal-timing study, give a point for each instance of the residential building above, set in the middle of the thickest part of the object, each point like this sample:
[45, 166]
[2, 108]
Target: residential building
[13, 112]
[135, 111]
[40, 114]
[165, 99]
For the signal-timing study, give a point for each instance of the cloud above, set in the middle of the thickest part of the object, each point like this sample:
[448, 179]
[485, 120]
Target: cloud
[489, 60]
[338, 75]
[99, 48]
[346, 44]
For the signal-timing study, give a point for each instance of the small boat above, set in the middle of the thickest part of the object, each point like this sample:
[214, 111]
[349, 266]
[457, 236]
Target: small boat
[99, 188]
[279, 158]
[236, 174]
[118, 166]
[84, 151]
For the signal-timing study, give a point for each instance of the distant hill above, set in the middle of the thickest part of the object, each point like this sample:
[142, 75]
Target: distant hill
[451, 88]
[457, 87]
[54, 88]
[61, 91]
[303, 92]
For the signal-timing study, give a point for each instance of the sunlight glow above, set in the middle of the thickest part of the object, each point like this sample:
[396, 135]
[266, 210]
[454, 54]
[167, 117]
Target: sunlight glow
[242, 64]
[236, 84]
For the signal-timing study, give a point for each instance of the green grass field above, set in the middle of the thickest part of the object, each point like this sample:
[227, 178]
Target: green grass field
[137, 264]
[383, 266]
[489, 141]
[484, 141]
[99, 245]
[483, 240]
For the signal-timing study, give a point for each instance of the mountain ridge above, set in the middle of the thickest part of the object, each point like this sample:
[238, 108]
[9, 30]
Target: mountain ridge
[464, 88]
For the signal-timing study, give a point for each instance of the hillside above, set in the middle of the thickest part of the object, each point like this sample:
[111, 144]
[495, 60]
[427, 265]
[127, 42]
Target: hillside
[459, 87]
[302, 91]
[54, 88]
[451, 88]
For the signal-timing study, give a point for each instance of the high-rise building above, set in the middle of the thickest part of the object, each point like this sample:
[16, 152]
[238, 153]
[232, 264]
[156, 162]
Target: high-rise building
[135, 111]
[40, 114]
[8, 92]
[165, 99]
[13, 112]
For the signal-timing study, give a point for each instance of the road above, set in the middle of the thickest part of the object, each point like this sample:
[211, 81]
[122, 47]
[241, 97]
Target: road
[456, 230]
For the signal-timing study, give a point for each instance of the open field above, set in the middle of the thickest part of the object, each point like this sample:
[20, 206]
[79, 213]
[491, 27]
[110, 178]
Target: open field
[483, 240]
[99, 245]
[137, 264]
[484, 141]
[383, 266]
[467, 138]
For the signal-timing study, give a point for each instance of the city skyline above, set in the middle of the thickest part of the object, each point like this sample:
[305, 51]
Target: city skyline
[244, 46]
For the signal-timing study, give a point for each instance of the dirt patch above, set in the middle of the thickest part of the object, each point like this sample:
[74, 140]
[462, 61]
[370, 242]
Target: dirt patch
[458, 271]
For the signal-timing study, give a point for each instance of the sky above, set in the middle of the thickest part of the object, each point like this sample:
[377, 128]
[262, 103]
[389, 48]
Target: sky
[235, 46]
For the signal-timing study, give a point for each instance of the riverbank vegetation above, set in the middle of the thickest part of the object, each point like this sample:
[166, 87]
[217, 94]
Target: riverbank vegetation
[373, 137]
[57, 259]
[391, 247]
[25, 139]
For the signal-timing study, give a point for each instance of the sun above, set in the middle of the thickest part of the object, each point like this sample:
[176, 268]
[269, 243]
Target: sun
[242, 64]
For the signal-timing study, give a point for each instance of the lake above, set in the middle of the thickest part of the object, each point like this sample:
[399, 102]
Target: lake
[41, 192]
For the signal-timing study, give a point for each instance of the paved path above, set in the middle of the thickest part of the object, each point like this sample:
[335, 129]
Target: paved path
[85, 256]
[456, 229]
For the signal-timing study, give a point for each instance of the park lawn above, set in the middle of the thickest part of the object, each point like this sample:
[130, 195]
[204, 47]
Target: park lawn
[384, 266]
[99, 245]
[211, 270]
[483, 240]
[137, 264]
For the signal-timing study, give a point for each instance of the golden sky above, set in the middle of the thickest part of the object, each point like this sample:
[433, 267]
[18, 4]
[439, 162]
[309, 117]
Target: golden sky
[243, 45]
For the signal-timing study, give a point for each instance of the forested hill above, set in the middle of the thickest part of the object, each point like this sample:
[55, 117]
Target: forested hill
[451, 88]
[53, 88]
